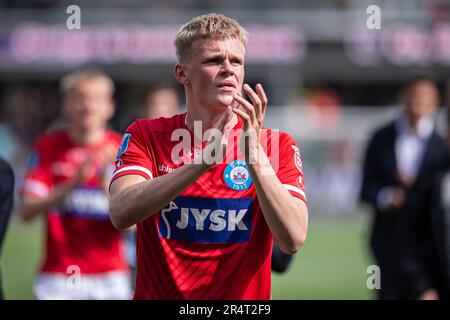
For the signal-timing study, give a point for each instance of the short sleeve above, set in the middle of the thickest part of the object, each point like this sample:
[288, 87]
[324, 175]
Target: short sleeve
[290, 171]
[38, 179]
[133, 156]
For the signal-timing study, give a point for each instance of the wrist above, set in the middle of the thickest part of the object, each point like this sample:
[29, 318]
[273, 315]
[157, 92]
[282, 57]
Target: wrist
[258, 160]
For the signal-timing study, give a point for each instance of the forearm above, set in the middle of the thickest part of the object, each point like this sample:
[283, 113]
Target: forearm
[139, 201]
[286, 216]
[32, 206]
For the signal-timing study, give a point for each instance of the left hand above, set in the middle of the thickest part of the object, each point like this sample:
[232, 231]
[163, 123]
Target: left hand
[253, 115]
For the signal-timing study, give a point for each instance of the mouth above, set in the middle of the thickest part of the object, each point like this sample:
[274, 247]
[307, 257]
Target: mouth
[227, 86]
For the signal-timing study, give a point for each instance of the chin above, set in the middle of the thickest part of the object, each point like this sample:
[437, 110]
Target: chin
[225, 100]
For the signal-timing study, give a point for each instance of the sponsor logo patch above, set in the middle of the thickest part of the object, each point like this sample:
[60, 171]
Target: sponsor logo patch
[86, 202]
[207, 220]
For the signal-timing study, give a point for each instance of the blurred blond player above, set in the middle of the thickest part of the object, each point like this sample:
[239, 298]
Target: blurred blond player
[161, 101]
[65, 182]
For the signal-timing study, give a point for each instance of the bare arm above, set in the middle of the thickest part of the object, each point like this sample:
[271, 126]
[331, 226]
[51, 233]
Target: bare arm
[133, 199]
[286, 216]
[32, 206]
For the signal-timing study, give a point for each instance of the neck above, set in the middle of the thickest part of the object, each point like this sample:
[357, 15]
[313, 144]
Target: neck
[86, 137]
[413, 122]
[207, 116]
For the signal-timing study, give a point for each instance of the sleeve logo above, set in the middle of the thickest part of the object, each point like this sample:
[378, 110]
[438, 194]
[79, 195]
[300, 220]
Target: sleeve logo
[297, 158]
[123, 145]
[33, 160]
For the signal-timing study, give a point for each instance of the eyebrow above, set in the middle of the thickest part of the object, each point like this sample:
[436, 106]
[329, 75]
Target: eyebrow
[220, 55]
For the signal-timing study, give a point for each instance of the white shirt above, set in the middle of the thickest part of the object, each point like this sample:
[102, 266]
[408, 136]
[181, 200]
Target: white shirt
[410, 146]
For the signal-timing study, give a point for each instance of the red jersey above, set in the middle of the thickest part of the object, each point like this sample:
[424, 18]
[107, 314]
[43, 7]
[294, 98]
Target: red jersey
[212, 241]
[79, 230]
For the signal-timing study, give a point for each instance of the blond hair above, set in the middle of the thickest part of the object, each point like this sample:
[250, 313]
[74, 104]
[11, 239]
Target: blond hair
[69, 81]
[213, 25]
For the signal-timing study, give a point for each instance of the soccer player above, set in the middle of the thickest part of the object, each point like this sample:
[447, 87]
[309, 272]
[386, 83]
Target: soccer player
[205, 229]
[67, 181]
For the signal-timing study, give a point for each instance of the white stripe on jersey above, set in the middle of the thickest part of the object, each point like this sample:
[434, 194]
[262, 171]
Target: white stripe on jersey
[137, 168]
[295, 189]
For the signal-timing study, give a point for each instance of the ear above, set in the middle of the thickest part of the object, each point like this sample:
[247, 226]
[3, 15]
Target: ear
[65, 108]
[180, 74]
[111, 109]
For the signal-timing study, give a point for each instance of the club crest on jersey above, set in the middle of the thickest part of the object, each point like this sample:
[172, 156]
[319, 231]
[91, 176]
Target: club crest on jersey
[123, 145]
[237, 176]
[207, 220]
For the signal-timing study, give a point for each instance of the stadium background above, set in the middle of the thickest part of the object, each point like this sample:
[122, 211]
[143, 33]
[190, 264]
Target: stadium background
[330, 81]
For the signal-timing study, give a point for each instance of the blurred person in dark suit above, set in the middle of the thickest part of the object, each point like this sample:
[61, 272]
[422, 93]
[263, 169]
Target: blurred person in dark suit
[427, 233]
[400, 161]
[6, 201]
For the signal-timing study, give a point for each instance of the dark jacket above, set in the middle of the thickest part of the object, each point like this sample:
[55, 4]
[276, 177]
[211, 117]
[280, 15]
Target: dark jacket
[6, 200]
[427, 261]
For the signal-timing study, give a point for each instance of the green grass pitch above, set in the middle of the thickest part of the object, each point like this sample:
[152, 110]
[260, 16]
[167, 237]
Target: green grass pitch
[331, 265]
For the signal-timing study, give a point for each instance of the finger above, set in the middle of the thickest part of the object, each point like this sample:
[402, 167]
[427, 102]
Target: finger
[255, 99]
[242, 114]
[262, 96]
[247, 106]
[234, 103]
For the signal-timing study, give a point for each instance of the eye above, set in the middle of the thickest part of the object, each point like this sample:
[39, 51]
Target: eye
[236, 62]
[215, 60]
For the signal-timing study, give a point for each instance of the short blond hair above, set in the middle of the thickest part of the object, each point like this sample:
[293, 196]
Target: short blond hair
[213, 25]
[69, 81]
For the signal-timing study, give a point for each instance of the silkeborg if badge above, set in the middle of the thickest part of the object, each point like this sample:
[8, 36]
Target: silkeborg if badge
[237, 175]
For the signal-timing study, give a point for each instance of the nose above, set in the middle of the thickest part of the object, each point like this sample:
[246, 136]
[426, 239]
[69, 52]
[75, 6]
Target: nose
[227, 68]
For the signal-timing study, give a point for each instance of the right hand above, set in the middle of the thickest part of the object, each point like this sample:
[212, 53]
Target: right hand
[85, 171]
[429, 294]
[397, 197]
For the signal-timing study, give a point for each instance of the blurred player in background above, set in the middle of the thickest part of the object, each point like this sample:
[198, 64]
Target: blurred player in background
[160, 101]
[6, 202]
[66, 182]
[399, 165]
[205, 230]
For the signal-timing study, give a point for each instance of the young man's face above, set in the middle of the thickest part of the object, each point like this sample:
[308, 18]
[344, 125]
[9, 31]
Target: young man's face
[88, 105]
[215, 71]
